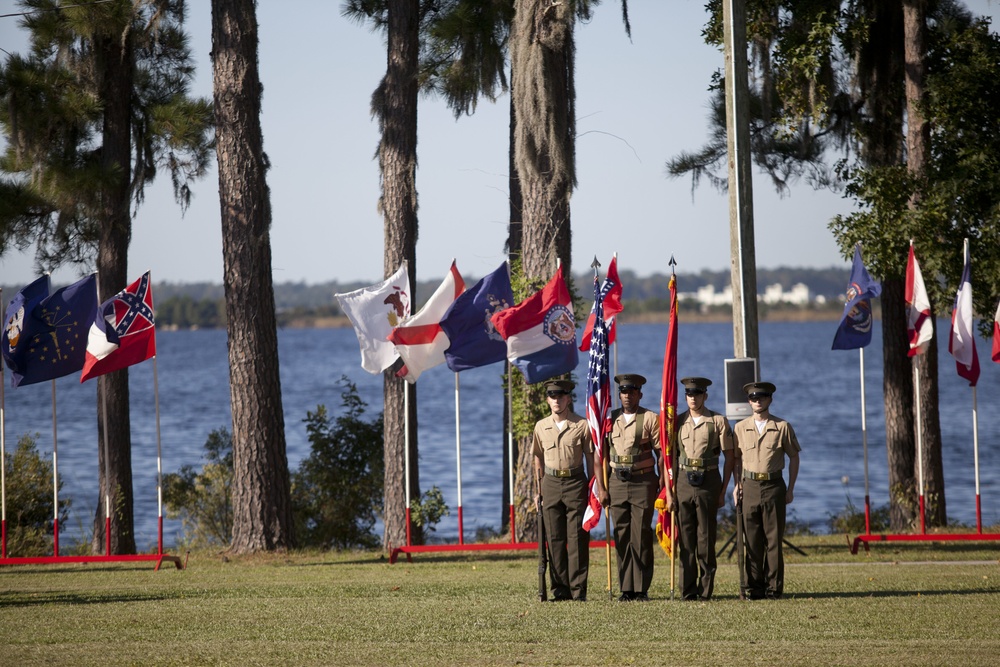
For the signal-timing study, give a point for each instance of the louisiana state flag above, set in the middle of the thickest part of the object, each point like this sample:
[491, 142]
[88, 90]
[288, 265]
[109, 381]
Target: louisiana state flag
[541, 332]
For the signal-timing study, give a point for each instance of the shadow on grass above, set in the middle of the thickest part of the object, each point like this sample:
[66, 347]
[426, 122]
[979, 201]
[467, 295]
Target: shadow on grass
[14, 600]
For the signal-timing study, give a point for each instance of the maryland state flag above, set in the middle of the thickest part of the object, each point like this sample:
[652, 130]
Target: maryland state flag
[668, 419]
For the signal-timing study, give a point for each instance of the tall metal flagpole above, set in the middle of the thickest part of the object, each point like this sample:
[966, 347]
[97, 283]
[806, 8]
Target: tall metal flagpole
[406, 458]
[103, 386]
[975, 451]
[458, 456]
[864, 442]
[604, 471]
[55, 476]
[920, 444]
[510, 449]
[975, 424]
[159, 460]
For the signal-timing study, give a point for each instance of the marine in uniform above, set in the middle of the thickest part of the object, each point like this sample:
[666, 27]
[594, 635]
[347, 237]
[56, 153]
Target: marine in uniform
[762, 443]
[634, 443]
[702, 436]
[561, 444]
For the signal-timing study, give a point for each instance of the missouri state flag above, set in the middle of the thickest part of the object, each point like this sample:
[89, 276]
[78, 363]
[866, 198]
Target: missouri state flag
[419, 340]
[919, 327]
[855, 328]
[45, 335]
[123, 332]
[962, 341]
[469, 326]
[541, 332]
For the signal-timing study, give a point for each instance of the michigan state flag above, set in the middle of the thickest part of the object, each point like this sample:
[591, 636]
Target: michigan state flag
[855, 328]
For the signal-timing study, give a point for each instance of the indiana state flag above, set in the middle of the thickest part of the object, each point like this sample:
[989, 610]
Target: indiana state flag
[541, 332]
[469, 326]
[46, 338]
[855, 328]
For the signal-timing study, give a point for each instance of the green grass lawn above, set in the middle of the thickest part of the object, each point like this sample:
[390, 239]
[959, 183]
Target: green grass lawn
[921, 604]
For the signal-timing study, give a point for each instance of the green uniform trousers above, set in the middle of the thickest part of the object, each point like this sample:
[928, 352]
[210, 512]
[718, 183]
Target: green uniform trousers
[632, 512]
[697, 519]
[564, 500]
[764, 528]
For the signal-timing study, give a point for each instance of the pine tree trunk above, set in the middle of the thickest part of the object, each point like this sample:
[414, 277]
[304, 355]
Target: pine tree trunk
[897, 389]
[115, 65]
[917, 148]
[262, 518]
[542, 51]
[396, 104]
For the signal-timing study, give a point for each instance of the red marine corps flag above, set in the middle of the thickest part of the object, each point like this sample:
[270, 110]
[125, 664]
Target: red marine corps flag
[668, 417]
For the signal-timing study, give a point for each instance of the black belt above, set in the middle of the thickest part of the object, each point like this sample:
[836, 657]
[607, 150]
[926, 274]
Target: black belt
[563, 472]
[702, 464]
[761, 476]
[699, 468]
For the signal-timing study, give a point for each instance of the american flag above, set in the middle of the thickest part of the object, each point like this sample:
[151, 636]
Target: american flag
[598, 392]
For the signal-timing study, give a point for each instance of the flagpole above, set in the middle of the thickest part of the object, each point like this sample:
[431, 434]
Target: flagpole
[102, 384]
[510, 449]
[602, 454]
[458, 456]
[920, 445]
[406, 458]
[55, 477]
[159, 463]
[975, 452]
[864, 441]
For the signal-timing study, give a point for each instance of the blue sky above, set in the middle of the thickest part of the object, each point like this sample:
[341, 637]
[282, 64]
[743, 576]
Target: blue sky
[639, 103]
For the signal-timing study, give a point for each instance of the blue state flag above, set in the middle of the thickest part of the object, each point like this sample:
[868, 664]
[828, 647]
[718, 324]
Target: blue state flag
[855, 328]
[474, 340]
[17, 325]
[51, 339]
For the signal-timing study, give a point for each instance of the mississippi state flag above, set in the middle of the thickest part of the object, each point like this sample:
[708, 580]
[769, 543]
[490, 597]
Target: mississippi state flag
[541, 332]
[420, 340]
[122, 333]
[919, 328]
[962, 342]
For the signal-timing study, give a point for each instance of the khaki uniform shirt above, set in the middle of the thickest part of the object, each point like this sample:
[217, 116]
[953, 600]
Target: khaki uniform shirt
[564, 449]
[706, 439]
[765, 452]
[623, 436]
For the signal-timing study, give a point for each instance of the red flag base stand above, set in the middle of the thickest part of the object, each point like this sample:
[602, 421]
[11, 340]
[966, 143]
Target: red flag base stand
[124, 558]
[923, 537]
[502, 546]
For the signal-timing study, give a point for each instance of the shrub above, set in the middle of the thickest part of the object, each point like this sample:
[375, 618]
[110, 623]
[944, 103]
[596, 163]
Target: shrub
[337, 490]
[203, 499]
[428, 509]
[29, 501]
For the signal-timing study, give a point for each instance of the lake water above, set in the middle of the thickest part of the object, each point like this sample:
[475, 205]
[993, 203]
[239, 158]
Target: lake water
[818, 392]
